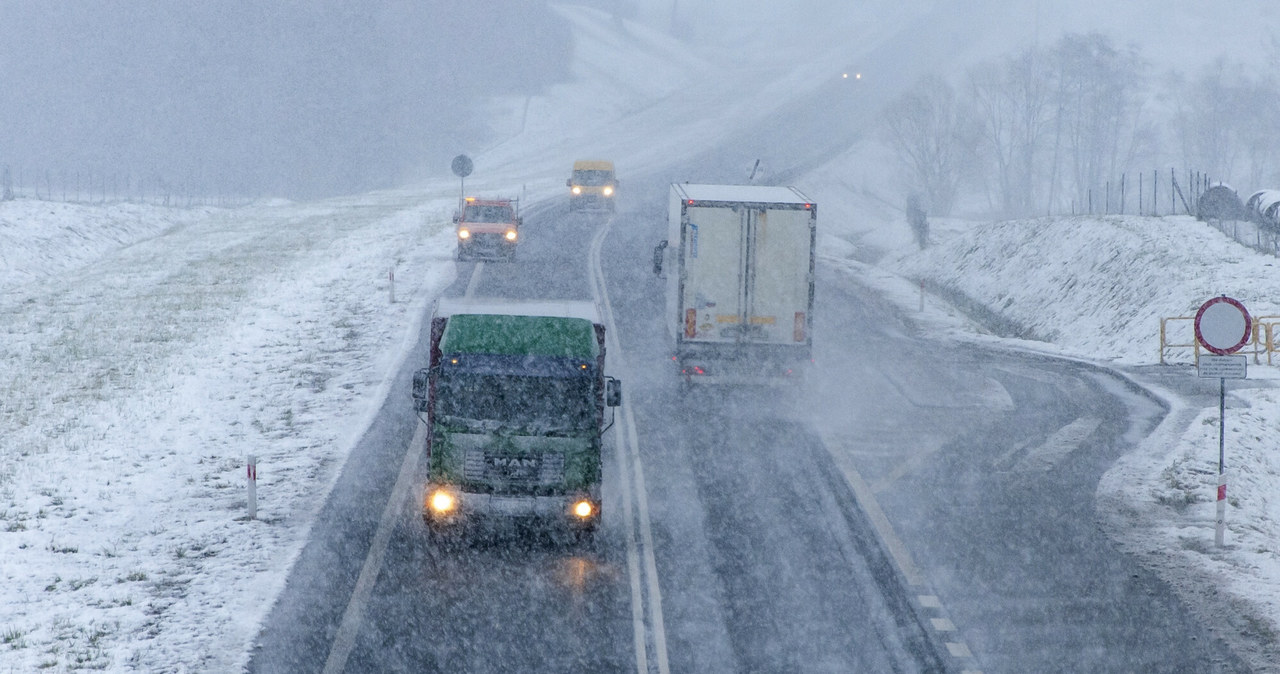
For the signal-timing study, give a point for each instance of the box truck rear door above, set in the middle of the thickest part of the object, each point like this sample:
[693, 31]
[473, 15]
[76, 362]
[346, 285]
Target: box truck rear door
[713, 287]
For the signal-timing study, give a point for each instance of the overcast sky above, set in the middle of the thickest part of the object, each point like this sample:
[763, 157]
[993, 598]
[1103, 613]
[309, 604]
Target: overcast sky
[290, 97]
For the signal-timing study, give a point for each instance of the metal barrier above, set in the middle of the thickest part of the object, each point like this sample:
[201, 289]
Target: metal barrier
[1261, 342]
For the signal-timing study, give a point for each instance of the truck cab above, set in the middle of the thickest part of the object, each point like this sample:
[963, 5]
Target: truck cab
[593, 185]
[487, 228]
[515, 396]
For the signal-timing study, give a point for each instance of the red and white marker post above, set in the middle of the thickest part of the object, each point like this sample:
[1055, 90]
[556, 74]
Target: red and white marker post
[1223, 326]
[251, 475]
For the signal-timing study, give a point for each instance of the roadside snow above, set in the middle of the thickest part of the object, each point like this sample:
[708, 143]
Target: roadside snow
[148, 350]
[1096, 289]
[140, 375]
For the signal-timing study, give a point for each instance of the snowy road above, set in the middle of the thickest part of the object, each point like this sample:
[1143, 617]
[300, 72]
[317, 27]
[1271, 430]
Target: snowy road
[747, 549]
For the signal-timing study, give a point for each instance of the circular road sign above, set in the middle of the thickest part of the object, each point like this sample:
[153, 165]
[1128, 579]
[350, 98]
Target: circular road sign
[1223, 325]
[462, 166]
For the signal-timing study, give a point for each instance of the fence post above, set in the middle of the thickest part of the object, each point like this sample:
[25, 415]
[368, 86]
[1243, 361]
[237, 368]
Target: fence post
[1162, 320]
[1155, 192]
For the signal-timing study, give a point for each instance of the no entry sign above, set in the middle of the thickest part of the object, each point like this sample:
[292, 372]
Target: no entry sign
[1223, 325]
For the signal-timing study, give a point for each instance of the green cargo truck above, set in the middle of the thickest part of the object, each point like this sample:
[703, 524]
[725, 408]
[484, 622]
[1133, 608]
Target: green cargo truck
[515, 397]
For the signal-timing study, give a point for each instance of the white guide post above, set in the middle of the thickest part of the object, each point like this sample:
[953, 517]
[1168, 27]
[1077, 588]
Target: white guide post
[252, 479]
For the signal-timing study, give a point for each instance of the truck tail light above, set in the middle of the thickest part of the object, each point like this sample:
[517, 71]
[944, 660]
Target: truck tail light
[798, 332]
[690, 323]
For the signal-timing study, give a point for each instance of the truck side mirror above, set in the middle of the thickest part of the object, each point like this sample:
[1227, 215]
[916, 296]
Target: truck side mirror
[456, 218]
[568, 182]
[421, 389]
[612, 392]
[658, 253]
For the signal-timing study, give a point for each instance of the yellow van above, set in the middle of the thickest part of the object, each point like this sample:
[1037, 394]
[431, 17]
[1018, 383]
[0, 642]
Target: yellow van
[593, 185]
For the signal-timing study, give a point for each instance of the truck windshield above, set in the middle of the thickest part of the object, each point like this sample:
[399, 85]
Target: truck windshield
[592, 178]
[536, 404]
[488, 213]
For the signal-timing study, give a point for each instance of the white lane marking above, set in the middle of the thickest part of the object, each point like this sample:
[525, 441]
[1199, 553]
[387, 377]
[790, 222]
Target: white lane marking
[1058, 446]
[349, 628]
[871, 507]
[633, 471]
[475, 280]
[633, 561]
[897, 549]
[646, 536]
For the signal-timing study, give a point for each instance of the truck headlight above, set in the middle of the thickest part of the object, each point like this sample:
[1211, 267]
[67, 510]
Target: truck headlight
[583, 509]
[576, 190]
[511, 235]
[442, 502]
[464, 234]
[608, 191]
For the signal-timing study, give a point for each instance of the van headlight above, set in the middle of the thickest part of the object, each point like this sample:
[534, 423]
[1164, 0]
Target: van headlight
[608, 191]
[576, 190]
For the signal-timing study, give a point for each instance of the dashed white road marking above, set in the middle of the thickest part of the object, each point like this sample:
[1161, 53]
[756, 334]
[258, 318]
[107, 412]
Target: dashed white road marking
[897, 549]
[475, 280]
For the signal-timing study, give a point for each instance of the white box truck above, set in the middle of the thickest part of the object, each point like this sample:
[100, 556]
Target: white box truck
[739, 266]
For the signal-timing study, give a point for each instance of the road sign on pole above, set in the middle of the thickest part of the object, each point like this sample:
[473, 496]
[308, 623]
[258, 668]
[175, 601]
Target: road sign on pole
[1223, 326]
[462, 167]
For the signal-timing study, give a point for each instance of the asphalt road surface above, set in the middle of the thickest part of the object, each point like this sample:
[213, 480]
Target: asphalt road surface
[913, 506]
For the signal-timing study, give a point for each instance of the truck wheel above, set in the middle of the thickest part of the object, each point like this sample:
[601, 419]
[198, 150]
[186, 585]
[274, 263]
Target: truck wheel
[439, 537]
[585, 538]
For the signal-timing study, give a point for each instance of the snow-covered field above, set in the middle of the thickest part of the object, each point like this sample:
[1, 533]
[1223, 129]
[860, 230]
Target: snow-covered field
[147, 351]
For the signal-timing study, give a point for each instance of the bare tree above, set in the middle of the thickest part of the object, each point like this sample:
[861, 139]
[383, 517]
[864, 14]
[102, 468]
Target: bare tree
[1098, 123]
[1208, 120]
[932, 139]
[1011, 100]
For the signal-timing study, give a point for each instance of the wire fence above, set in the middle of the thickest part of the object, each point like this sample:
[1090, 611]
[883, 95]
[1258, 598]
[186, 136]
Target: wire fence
[1155, 193]
[98, 187]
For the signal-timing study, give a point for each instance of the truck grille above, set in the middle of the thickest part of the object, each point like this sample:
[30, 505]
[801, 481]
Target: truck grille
[528, 470]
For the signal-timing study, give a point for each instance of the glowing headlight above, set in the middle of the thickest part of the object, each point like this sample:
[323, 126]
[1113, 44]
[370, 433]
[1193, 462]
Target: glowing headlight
[576, 190]
[583, 509]
[464, 234]
[511, 235]
[442, 501]
[608, 191]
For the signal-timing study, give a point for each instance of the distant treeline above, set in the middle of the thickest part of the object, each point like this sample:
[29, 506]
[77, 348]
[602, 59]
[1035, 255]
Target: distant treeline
[1072, 126]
